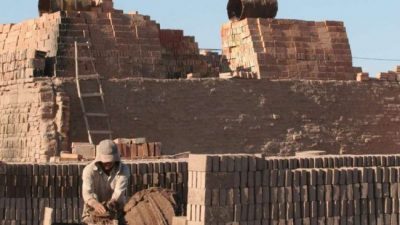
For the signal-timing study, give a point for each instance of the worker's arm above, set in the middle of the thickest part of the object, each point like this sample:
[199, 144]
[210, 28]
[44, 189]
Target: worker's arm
[89, 197]
[87, 185]
[121, 183]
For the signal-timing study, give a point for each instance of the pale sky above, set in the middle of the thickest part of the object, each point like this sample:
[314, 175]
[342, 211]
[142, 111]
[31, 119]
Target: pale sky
[373, 26]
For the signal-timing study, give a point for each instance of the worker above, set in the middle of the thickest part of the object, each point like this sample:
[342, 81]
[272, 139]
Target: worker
[105, 181]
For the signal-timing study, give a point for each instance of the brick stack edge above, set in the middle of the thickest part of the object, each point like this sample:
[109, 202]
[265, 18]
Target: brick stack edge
[26, 189]
[283, 49]
[243, 189]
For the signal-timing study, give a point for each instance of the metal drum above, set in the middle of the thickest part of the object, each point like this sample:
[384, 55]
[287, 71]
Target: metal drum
[242, 9]
[49, 6]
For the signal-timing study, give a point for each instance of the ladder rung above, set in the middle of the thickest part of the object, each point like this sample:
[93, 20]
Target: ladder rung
[90, 95]
[100, 132]
[89, 77]
[97, 114]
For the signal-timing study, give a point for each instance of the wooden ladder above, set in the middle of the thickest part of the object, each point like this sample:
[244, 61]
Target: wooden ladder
[97, 134]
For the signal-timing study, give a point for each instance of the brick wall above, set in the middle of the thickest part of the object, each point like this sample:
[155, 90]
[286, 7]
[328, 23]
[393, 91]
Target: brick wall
[26, 189]
[243, 189]
[276, 117]
[279, 49]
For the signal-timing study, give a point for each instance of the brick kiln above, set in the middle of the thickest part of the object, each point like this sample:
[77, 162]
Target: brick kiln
[41, 113]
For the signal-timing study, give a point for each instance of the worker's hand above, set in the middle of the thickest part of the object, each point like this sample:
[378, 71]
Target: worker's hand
[97, 206]
[112, 204]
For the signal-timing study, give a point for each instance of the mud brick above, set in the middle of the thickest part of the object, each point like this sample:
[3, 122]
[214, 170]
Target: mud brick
[238, 164]
[248, 179]
[266, 195]
[253, 164]
[311, 162]
[350, 192]
[379, 207]
[134, 151]
[293, 164]
[336, 208]
[378, 190]
[305, 176]
[282, 211]
[385, 190]
[296, 178]
[336, 193]
[143, 150]
[387, 206]
[305, 209]
[274, 211]
[356, 191]
[378, 176]
[215, 163]
[273, 178]
[201, 163]
[265, 178]
[215, 197]
[394, 219]
[328, 192]
[297, 214]
[336, 177]
[223, 167]
[245, 163]
[313, 209]
[312, 193]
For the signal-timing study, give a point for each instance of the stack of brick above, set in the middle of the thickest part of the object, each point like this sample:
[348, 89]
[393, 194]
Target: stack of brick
[391, 75]
[246, 189]
[181, 54]
[282, 49]
[22, 65]
[26, 189]
[122, 45]
[24, 46]
[30, 120]
[132, 150]
[215, 62]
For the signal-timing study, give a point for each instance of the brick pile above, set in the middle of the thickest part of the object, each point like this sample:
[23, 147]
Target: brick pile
[30, 122]
[24, 46]
[246, 189]
[122, 45]
[282, 49]
[181, 54]
[391, 75]
[26, 189]
[215, 62]
[131, 150]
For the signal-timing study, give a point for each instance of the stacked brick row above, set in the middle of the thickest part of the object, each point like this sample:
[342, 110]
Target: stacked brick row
[21, 43]
[140, 151]
[243, 189]
[180, 54]
[28, 127]
[26, 189]
[279, 49]
[122, 45]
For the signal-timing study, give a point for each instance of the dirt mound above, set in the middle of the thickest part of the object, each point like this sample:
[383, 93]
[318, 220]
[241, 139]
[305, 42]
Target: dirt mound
[155, 206]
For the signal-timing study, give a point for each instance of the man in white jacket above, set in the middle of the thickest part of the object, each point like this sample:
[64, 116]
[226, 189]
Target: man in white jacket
[104, 181]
